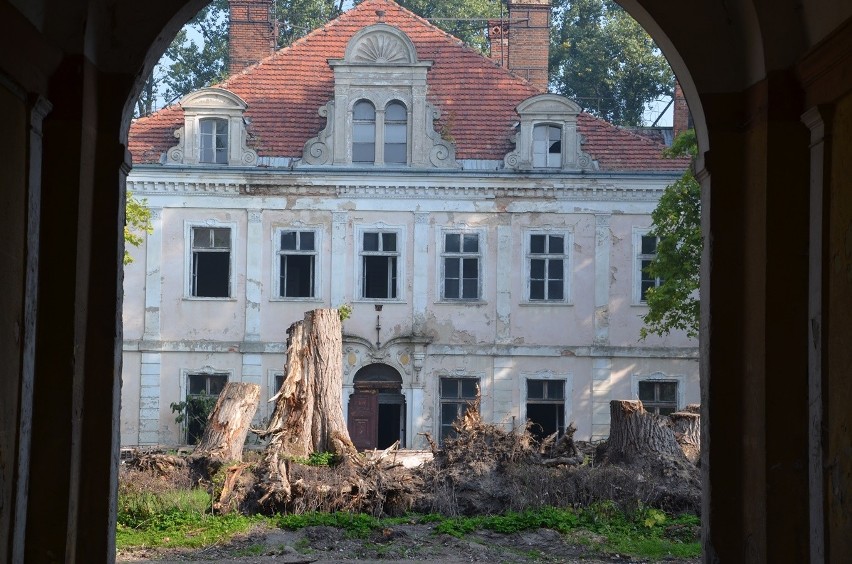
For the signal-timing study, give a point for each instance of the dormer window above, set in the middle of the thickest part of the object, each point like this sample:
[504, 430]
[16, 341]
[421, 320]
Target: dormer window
[547, 146]
[547, 136]
[214, 140]
[380, 114]
[213, 132]
[363, 132]
[396, 133]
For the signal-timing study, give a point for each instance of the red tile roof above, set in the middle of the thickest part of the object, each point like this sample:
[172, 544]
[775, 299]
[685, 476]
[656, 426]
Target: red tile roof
[477, 98]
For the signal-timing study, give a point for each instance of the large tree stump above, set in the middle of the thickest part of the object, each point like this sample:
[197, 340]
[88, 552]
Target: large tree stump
[636, 433]
[228, 423]
[687, 429]
[308, 408]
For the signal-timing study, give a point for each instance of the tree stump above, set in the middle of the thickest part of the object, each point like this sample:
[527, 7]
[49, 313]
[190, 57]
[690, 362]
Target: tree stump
[308, 407]
[228, 423]
[687, 430]
[636, 433]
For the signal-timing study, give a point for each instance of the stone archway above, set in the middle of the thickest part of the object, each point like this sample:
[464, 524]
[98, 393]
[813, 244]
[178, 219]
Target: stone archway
[377, 408]
[775, 329]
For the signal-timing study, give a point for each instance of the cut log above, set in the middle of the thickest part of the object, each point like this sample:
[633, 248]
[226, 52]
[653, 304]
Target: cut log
[636, 433]
[308, 408]
[229, 422]
[687, 430]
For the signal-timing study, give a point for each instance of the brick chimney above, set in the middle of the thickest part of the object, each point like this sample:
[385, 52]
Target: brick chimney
[681, 119]
[529, 40]
[498, 42]
[251, 33]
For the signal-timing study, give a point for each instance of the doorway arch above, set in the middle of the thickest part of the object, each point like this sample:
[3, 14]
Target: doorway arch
[377, 407]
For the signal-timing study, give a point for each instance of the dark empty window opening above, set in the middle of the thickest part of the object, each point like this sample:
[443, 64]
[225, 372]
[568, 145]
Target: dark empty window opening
[546, 407]
[214, 140]
[659, 398]
[461, 266]
[211, 262]
[379, 267]
[456, 394]
[297, 264]
[547, 262]
[201, 395]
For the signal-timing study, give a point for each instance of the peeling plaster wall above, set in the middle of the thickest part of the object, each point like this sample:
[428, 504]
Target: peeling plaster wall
[590, 340]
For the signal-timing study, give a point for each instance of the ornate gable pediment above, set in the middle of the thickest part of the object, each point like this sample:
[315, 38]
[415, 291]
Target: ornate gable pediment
[548, 110]
[380, 66]
[212, 103]
[380, 44]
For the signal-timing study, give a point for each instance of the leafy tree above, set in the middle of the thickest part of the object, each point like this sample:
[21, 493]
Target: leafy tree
[674, 304]
[137, 221]
[297, 18]
[601, 57]
[465, 19]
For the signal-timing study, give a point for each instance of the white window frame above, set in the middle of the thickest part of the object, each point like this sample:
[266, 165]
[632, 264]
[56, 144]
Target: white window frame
[638, 257]
[400, 253]
[276, 262]
[567, 264]
[679, 379]
[188, 257]
[380, 105]
[548, 156]
[214, 138]
[442, 254]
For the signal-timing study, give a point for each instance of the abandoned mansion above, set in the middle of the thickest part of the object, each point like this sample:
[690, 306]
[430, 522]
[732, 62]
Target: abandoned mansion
[487, 235]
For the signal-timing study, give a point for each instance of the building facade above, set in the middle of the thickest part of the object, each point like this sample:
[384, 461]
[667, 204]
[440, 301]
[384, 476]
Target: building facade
[489, 237]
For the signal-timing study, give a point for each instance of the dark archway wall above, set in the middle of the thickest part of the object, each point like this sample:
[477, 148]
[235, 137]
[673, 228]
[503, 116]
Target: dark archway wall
[777, 282]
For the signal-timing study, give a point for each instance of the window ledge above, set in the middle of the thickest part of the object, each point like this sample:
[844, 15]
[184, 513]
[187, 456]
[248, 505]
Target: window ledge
[297, 300]
[461, 302]
[544, 303]
[203, 299]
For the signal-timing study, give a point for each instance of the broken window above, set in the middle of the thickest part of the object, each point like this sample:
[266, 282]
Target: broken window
[379, 255]
[658, 397]
[646, 253]
[547, 146]
[213, 140]
[297, 264]
[201, 395]
[546, 407]
[363, 132]
[456, 394]
[211, 262]
[547, 262]
[461, 266]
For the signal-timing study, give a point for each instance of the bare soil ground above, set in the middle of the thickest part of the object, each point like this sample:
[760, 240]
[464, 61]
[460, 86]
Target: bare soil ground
[403, 543]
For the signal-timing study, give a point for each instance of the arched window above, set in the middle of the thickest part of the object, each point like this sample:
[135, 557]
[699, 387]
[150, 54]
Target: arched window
[213, 140]
[363, 132]
[547, 146]
[396, 133]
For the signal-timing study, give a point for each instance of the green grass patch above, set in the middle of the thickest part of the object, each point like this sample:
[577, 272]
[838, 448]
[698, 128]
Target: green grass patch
[182, 518]
[178, 518]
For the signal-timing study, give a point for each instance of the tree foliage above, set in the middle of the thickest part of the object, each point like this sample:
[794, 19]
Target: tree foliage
[602, 58]
[137, 222]
[674, 304]
[465, 19]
